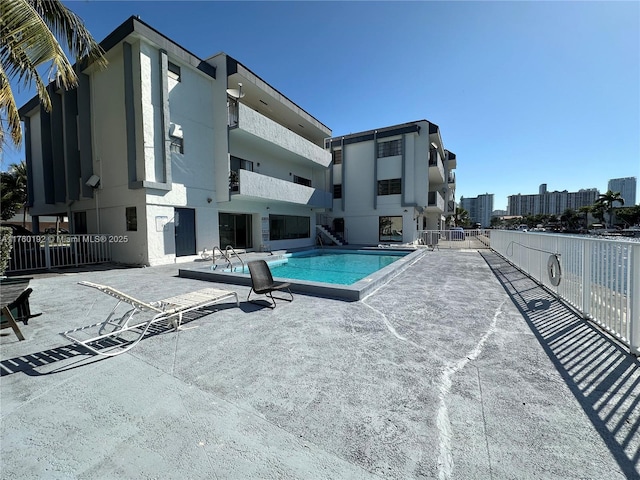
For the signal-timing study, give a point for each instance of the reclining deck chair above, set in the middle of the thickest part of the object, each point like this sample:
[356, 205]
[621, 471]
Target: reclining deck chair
[170, 311]
[262, 282]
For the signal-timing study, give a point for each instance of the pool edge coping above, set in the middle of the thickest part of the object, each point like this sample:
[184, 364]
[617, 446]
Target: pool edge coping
[352, 293]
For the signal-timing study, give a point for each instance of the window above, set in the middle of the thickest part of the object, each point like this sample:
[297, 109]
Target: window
[174, 71]
[301, 181]
[337, 157]
[241, 164]
[285, 227]
[390, 148]
[177, 144]
[390, 229]
[393, 186]
[337, 191]
[132, 219]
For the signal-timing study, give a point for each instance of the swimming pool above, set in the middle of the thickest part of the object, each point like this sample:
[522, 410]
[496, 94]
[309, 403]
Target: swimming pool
[330, 266]
[333, 272]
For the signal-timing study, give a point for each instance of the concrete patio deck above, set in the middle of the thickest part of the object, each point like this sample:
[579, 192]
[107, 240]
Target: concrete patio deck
[459, 367]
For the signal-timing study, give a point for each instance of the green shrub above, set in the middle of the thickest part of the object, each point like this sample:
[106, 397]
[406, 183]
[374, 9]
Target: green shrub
[6, 244]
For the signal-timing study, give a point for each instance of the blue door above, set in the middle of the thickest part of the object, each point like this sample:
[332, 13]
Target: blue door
[185, 227]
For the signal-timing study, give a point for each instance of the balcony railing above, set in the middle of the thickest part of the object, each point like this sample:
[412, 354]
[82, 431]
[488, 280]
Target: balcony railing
[248, 121]
[599, 278]
[436, 168]
[263, 187]
[435, 202]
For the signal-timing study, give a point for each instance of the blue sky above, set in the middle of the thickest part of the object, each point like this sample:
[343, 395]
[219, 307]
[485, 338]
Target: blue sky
[524, 92]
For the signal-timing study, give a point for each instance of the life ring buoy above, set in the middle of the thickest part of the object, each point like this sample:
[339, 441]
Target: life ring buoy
[553, 270]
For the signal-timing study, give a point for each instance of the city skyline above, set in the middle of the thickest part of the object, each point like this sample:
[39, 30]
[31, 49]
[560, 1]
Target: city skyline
[521, 98]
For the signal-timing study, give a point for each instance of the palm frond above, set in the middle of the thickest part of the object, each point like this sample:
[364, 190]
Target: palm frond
[9, 110]
[67, 25]
[28, 43]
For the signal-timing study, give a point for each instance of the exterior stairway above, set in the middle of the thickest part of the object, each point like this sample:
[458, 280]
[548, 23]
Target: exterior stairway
[328, 233]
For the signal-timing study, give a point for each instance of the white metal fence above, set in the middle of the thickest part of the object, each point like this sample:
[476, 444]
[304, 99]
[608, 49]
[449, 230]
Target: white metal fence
[44, 252]
[460, 239]
[598, 277]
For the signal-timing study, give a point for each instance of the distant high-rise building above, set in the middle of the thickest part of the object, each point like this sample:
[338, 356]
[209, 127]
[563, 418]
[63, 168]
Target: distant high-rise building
[550, 203]
[480, 208]
[627, 188]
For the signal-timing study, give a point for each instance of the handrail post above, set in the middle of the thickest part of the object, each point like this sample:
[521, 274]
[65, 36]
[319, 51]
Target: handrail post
[586, 278]
[634, 293]
[47, 258]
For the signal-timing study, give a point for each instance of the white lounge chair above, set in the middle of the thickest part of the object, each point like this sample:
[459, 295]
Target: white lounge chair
[110, 332]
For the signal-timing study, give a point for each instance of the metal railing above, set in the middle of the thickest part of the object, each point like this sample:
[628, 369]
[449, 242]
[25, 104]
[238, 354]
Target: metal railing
[229, 253]
[44, 252]
[455, 239]
[600, 278]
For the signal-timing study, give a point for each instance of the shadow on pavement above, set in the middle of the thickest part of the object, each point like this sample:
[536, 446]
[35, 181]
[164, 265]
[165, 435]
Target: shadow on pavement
[29, 363]
[602, 375]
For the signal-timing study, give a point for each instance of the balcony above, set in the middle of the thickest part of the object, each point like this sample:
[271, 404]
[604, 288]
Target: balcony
[451, 179]
[436, 168]
[254, 186]
[254, 129]
[435, 202]
[451, 160]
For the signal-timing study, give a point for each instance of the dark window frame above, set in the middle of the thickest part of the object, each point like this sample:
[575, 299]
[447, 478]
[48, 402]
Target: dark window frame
[390, 186]
[386, 224]
[301, 181]
[337, 191]
[289, 227]
[176, 144]
[337, 157]
[174, 71]
[131, 219]
[390, 148]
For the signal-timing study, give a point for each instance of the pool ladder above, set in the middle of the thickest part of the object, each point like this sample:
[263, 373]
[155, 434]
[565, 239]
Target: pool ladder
[228, 255]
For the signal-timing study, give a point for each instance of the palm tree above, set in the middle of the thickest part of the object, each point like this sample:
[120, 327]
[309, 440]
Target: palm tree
[461, 217]
[29, 33]
[586, 210]
[597, 210]
[607, 200]
[14, 191]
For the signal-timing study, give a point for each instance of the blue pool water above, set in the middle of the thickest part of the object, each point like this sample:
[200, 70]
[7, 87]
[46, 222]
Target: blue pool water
[342, 268]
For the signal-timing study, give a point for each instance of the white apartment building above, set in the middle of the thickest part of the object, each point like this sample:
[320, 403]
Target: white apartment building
[171, 154]
[550, 203]
[480, 209]
[627, 188]
[390, 183]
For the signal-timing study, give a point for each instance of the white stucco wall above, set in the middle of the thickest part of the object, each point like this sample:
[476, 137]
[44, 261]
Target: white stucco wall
[127, 246]
[359, 186]
[151, 108]
[269, 188]
[359, 182]
[191, 105]
[110, 164]
[220, 149]
[265, 128]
